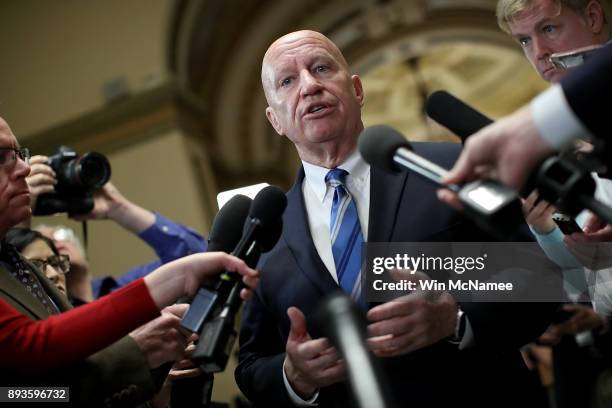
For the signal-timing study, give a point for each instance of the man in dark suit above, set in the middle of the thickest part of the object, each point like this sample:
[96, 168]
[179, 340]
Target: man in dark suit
[434, 351]
[120, 375]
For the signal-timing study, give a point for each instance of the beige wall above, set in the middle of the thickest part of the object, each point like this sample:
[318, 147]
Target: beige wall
[57, 54]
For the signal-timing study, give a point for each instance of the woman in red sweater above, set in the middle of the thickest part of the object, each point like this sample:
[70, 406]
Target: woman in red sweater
[42, 344]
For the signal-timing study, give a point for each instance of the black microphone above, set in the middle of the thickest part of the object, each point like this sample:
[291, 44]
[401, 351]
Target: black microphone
[262, 230]
[455, 115]
[565, 180]
[340, 320]
[225, 234]
[493, 206]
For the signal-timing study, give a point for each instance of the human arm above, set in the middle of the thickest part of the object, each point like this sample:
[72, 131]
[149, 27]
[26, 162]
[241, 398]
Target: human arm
[135, 305]
[169, 240]
[567, 111]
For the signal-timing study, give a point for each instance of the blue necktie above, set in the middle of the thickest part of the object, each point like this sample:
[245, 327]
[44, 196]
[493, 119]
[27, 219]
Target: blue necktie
[346, 237]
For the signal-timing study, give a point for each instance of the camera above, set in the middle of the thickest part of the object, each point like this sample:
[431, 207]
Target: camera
[77, 178]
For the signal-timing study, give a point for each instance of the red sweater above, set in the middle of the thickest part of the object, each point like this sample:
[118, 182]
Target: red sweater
[27, 344]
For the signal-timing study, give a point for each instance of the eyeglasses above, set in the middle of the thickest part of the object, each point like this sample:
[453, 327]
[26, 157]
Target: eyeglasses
[8, 155]
[60, 262]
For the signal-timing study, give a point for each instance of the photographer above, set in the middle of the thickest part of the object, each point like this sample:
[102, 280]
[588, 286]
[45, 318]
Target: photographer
[169, 240]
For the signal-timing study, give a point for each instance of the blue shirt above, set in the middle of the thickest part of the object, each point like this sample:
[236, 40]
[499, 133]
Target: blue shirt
[169, 240]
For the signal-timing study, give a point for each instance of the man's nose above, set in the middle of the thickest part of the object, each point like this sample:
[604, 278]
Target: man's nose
[541, 49]
[52, 274]
[22, 168]
[310, 84]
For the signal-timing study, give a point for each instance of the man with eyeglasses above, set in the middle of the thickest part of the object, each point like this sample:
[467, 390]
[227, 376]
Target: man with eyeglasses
[119, 375]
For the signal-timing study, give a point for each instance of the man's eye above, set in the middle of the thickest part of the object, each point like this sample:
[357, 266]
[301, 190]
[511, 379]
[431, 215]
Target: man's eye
[322, 68]
[549, 29]
[524, 41]
[285, 82]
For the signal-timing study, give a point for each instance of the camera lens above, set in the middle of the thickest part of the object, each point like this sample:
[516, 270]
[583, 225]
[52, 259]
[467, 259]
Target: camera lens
[93, 170]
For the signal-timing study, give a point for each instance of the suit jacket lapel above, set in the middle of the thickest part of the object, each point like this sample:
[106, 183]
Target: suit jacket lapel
[17, 293]
[299, 239]
[56, 296]
[386, 191]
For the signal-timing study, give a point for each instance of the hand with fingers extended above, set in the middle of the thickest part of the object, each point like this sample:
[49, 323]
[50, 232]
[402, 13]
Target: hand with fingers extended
[412, 321]
[41, 180]
[538, 214]
[309, 364]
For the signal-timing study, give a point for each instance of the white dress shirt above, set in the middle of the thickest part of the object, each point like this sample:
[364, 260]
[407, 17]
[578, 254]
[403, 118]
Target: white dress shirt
[318, 197]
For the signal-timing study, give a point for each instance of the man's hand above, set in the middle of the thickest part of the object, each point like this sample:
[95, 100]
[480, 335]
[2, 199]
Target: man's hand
[110, 204]
[41, 179]
[411, 322]
[539, 215]
[161, 340]
[583, 318]
[180, 370]
[309, 364]
[593, 247]
[107, 201]
[506, 150]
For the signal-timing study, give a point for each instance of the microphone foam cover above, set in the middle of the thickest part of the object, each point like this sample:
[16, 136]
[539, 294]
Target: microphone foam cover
[270, 235]
[378, 144]
[268, 205]
[226, 229]
[455, 115]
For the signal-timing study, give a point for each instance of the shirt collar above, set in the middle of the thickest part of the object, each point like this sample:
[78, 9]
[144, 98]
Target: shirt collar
[357, 168]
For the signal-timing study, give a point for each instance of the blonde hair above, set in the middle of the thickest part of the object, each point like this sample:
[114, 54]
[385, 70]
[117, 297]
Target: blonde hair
[508, 10]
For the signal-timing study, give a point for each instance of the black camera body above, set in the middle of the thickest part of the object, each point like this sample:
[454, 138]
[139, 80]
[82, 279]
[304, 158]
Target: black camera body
[77, 178]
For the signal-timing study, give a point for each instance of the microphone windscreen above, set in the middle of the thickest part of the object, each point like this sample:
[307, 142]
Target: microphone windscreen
[378, 144]
[270, 235]
[226, 229]
[268, 205]
[455, 115]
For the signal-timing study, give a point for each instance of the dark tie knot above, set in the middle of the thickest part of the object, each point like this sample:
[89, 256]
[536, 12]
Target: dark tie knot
[336, 177]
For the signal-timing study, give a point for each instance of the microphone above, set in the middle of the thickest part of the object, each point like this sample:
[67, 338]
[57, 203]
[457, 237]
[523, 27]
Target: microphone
[493, 206]
[262, 230]
[563, 180]
[343, 323]
[225, 234]
[455, 115]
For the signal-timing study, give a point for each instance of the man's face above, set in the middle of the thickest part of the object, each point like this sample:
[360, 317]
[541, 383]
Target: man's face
[14, 191]
[548, 28]
[312, 98]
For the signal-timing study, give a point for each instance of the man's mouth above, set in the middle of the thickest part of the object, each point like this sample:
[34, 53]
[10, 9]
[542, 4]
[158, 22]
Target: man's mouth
[316, 108]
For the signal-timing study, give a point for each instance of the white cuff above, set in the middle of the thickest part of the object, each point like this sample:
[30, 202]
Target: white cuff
[467, 340]
[296, 398]
[556, 122]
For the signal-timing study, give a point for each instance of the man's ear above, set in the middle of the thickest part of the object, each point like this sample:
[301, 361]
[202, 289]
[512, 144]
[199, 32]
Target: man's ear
[595, 16]
[358, 88]
[274, 121]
